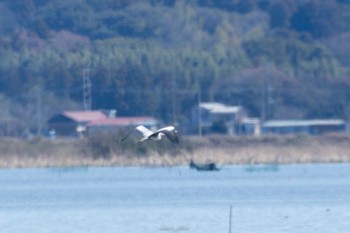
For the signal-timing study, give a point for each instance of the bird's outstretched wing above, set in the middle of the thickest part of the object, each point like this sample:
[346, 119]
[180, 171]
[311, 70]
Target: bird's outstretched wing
[145, 132]
[172, 136]
[170, 132]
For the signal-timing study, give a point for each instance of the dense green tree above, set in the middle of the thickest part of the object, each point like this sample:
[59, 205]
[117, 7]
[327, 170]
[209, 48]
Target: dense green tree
[295, 57]
[320, 18]
[280, 13]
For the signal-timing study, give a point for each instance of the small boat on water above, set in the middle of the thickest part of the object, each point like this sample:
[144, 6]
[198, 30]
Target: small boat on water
[204, 167]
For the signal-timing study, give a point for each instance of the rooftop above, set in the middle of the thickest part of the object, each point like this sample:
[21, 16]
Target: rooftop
[124, 121]
[84, 116]
[288, 123]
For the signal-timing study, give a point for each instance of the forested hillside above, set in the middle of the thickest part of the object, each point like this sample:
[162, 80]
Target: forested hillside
[277, 58]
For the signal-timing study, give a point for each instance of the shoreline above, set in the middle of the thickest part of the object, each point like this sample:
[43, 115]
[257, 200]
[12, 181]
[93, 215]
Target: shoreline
[248, 156]
[223, 151]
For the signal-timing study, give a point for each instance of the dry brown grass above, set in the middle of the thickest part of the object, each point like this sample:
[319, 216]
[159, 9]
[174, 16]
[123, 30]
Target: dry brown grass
[218, 149]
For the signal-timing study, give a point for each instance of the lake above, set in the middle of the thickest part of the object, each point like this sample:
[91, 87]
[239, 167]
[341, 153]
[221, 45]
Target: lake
[284, 198]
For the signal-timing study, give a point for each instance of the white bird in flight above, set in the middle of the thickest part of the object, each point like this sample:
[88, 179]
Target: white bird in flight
[170, 132]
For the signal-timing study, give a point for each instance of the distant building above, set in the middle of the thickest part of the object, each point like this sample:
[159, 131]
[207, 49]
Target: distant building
[82, 123]
[73, 123]
[250, 126]
[213, 117]
[311, 127]
[118, 123]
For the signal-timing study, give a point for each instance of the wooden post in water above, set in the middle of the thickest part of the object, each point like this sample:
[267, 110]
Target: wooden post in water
[229, 225]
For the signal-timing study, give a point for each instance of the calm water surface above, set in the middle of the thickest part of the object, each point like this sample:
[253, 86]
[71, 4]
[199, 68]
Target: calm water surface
[293, 198]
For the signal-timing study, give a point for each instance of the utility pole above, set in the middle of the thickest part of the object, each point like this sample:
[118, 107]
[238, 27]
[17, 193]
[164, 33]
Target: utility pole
[269, 99]
[263, 103]
[38, 112]
[266, 98]
[87, 89]
[199, 112]
[173, 100]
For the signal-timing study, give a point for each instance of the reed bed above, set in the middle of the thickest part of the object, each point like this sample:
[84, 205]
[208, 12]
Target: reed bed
[108, 151]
